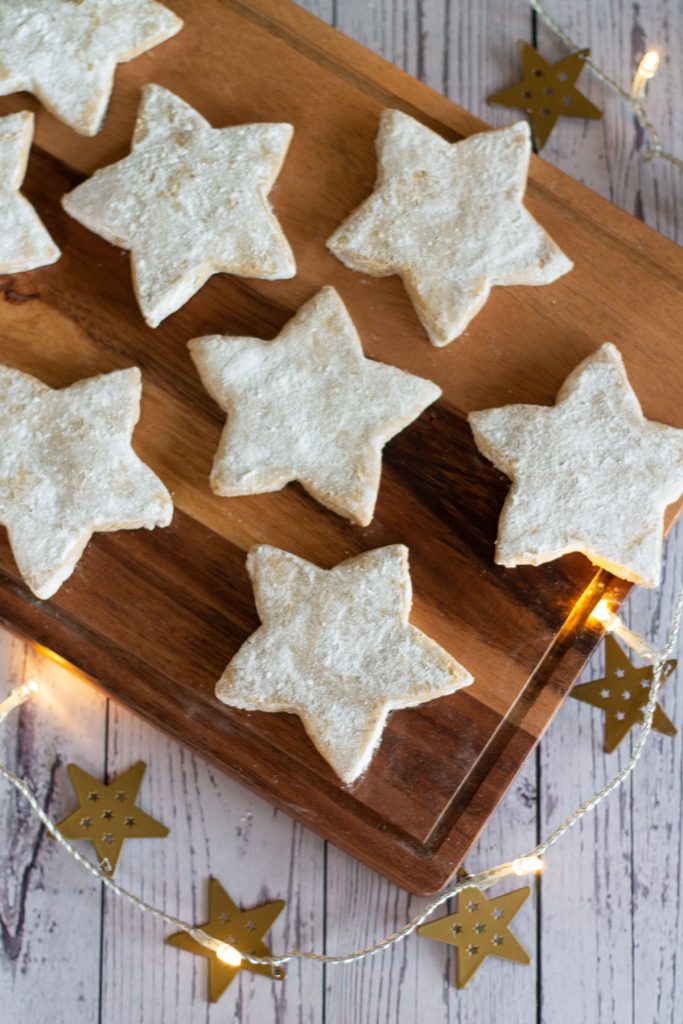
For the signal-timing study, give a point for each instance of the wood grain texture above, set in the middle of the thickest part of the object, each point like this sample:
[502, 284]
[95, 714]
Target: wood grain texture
[245, 831]
[441, 769]
[630, 960]
[567, 971]
[50, 923]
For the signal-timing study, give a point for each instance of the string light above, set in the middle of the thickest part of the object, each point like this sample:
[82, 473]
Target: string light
[531, 863]
[19, 695]
[647, 69]
[653, 150]
[613, 624]
[227, 954]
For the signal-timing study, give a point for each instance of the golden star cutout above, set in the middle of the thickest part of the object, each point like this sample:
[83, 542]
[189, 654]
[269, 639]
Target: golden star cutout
[547, 91]
[243, 929]
[480, 927]
[622, 693]
[107, 815]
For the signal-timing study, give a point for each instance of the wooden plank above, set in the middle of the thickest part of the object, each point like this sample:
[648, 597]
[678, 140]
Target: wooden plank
[416, 979]
[611, 897]
[49, 909]
[191, 577]
[622, 868]
[462, 52]
[586, 890]
[217, 828]
[657, 816]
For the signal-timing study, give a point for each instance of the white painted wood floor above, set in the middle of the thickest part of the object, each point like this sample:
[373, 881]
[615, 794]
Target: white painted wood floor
[605, 928]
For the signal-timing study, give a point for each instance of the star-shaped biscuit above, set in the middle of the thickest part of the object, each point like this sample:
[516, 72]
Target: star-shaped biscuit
[622, 693]
[589, 474]
[335, 647]
[241, 929]
[107, 814]
[479, 928]
[67, 469]
[190, 201]
[307, 406]
[24, 242]
[449, 219]
[65, 51]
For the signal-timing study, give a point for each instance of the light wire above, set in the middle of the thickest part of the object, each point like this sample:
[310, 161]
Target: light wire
[653, 150]
[482, 879]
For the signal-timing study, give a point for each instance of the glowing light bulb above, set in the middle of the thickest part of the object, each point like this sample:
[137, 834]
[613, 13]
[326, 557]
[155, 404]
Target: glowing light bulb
[647, 69]
[649, 64]
[603, 613]
[18, 696]
[613, 624]
[227, 954]
[528, 865]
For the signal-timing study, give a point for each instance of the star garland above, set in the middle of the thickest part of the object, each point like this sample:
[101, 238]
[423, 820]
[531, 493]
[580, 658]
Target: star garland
[477, 929]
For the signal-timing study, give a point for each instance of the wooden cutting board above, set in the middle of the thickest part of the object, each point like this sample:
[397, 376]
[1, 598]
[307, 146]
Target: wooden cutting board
[154, 617]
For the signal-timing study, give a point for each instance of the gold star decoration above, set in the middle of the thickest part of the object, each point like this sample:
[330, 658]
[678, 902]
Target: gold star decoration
[106, 814]
[242, 929]
[480, 927]
[622, 693]
[547, 91]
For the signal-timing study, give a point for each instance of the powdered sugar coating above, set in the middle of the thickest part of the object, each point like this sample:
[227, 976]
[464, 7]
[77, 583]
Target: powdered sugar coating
[190, 201]
[307, 406]
[24, 242]
[449, 219]
[589, 474]
[335, 647]
[67, 469]
[65, 51]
